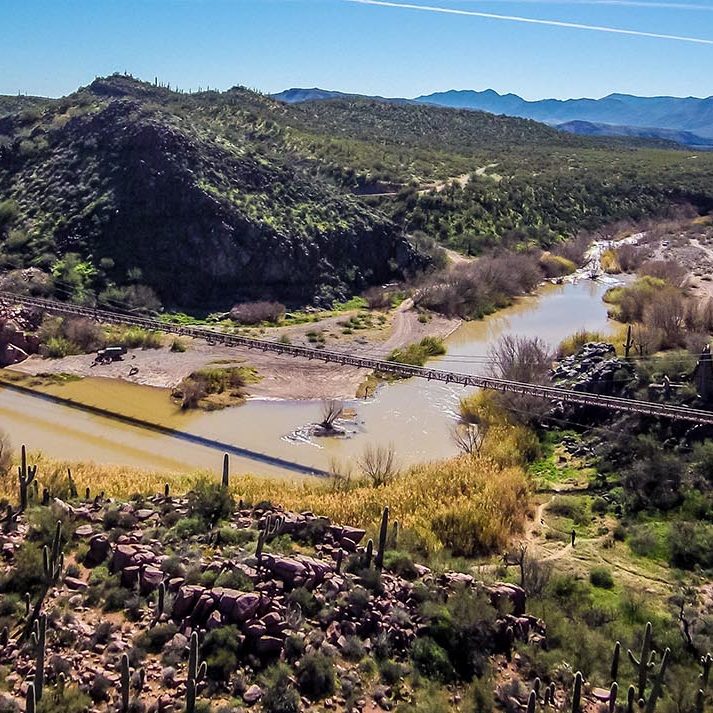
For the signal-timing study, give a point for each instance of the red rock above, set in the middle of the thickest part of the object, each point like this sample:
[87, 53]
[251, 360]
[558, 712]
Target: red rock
[186, 600]
[245, 608]
[269, 646]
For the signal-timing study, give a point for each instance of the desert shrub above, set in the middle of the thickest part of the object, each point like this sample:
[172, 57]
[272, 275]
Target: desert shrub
[353, 649]
[691, 545]
[84, 333]
[401, 564]
[63, 700]
[521, 359]
[280, 696]
[479, 696]
[136, 298]
[220, 650]
[27, 575]
[234, 579]
[212, 380]
[178, 345]
[316, 676]
[428, 698]
[154, 639]
[60, 347]
[188, 527]
[601, 577]
[391, 672]
[431, 660]
[133, 337]
[378, 298]
[100, 687]
[667, 270]
[472, 290]
[294, 647]
[419, 353]
[210, 502]
[236, 537]
[629, 257]
[556, 265]
[572, 344]
[257, 312]
[703, 460]
[6, 455]
[308, 603]
[571, 507]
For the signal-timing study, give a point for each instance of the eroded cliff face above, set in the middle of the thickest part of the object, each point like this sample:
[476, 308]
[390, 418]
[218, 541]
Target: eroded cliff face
[205, 216]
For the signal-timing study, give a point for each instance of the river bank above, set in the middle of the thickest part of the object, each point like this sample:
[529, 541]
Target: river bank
[415, 416]
[280, 377]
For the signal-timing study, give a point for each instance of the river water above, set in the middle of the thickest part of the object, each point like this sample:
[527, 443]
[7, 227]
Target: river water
[416, 416]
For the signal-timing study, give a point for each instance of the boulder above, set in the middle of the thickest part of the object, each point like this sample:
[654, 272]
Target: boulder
[186, 599]
[99, 549]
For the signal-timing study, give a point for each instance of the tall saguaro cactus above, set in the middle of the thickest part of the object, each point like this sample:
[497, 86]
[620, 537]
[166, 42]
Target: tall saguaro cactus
[26, 475]
[196, 674]
[577, 693]
[644, 663]
[383, 535]
[658, 683]
[226, 471]
[124, 681]
[39, 641]
[30, 698]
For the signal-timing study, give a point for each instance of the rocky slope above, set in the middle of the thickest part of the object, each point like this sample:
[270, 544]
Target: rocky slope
[155, 193]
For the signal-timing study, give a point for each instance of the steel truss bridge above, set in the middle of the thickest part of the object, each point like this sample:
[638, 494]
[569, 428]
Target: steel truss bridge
[554, 394]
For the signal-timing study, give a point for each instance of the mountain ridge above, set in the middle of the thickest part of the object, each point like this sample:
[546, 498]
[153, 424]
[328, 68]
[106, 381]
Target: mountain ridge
[691, 115]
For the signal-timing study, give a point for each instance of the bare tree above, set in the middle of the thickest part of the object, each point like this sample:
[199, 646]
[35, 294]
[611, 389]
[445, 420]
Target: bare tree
[667, 312]
[522, 359]
[340, 474]
[332, 409]
[378, 464]
[469, 437]
[5, 453]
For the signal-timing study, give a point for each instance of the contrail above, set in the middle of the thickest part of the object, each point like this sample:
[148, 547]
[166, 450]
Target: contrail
[532, 21]
[617, 3]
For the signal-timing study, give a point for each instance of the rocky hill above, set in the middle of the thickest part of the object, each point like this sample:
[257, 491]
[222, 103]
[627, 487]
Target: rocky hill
[150, 191]
[137, 195]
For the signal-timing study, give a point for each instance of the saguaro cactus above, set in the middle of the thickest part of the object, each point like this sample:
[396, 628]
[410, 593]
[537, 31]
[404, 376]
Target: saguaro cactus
[39, 640]
[125, 680]
[531, 702]
[577, 693]
[644, 663]
[26, 476]
[383, 535]
[30, 698]
[630, 698]
[53, 560]
[368, 554]
[706, 662]
[196, 674]
[226, 471]
[658, 683]
[72, 485]
[160, 600]
[613, 693]
[615, 661]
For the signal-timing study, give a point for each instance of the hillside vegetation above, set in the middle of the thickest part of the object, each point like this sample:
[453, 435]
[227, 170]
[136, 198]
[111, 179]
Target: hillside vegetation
[130, 193]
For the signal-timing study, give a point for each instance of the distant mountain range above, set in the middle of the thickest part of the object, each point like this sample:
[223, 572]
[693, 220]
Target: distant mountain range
[687, 121]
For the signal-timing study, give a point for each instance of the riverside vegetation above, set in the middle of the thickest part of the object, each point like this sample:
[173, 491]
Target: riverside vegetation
[432, 589]
[312, 203]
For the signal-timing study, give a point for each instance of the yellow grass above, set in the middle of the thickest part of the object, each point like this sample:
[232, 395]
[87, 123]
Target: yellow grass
[468, 504]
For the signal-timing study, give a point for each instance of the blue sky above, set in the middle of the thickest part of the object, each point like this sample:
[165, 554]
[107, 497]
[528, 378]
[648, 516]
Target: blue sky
[51, 47]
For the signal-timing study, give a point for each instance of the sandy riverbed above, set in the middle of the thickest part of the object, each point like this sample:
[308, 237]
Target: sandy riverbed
[282, 377]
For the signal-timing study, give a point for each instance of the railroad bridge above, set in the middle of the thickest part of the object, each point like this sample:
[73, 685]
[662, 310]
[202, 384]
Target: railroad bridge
[554, 394]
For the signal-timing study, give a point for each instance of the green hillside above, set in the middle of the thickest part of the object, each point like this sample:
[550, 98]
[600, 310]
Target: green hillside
[127, 187]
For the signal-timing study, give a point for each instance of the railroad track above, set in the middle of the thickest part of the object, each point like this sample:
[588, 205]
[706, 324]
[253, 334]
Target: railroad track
[554, 394]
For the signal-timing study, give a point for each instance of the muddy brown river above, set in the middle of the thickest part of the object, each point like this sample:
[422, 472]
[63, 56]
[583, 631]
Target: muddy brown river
[268, 437]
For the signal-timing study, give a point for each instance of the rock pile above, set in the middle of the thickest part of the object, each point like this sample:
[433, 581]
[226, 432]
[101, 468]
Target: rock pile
[596, 369]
